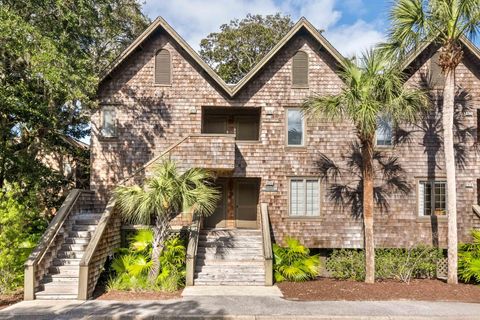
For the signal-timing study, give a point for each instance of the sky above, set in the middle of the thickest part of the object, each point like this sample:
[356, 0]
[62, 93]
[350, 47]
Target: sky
[350, 25]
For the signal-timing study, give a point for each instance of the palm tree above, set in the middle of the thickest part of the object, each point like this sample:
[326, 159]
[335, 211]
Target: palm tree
[374, 89]
[163, 196]
[444, 22]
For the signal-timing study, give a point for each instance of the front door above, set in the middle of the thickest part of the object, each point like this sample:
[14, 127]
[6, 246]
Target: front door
[218, 218]
[246, 202]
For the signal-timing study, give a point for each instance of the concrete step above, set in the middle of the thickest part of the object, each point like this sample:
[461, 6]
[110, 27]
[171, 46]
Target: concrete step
[74, 246]
[50, 296]
[60, 288]
[70, 254]
[84, 227]
[66, 262]
[72, 240]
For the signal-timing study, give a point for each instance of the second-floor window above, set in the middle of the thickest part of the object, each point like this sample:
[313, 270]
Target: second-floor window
[109, 122]
[383, 134]
[432, 198]
[163, 67]
[295, 127]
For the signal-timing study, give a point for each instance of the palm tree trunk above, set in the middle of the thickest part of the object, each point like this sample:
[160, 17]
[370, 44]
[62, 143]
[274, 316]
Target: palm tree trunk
[160, 232]
[367, 174]
[448, 111]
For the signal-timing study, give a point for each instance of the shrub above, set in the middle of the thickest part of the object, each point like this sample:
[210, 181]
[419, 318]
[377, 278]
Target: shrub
[397, 263]
[131, 266]
[21, 226]
[294, 262]
[346, 264]
[469, 259]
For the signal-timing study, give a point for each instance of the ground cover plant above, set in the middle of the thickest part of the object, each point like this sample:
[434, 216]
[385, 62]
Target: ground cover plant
[469, 259]
[294, 262]
[130, 267]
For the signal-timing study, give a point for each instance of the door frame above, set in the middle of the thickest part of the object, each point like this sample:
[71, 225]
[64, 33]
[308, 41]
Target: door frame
[224, 200]
[236, 181]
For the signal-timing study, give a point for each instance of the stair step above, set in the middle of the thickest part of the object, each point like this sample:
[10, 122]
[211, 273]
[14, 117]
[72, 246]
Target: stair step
[89, 215]
[60, 288]
[65, 270]
[74, 246]
[227, 263]
[66, 262]
[227, 250]
[50, 296]
[230, 244]
[201, 256]
[243, 269]
[72, 240]
[83, 227]
[59, 278]
[70, 254]
[80, 234]
[86, 221]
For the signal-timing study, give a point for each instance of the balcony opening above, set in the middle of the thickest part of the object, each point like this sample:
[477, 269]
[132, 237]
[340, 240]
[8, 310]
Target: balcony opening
[243, 122]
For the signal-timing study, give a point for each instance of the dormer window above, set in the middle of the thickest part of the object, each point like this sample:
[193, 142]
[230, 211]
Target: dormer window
[300, 70]
[163, 67]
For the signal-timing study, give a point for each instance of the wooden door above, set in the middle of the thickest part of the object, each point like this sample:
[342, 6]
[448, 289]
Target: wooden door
[246, 203]
[218, 218]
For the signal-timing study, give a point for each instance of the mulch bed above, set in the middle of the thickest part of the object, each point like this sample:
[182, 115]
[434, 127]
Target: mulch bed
[7, 300]
[325, 289]
[130, 295]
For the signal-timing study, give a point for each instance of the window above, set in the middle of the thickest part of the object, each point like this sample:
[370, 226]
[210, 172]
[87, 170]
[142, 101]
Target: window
[300, 69]
[295, 127]
[304, 197]
[109, 126]
[384, 132]
[432, 198]
[162, 67]
[246, 128]
[215, 124]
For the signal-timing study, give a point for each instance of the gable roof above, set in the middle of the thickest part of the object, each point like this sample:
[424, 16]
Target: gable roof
[415, 53]
[230, 89]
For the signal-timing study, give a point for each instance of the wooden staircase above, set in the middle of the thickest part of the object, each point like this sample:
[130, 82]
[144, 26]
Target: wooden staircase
[62, 277]
[230, 257]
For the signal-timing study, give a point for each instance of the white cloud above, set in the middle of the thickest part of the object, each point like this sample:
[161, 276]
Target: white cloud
[355, 38]
[195, 19]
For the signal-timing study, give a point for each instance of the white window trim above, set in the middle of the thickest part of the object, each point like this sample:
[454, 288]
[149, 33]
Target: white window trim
[421, 213]
[304, 129]
[289, 198]
[102, 121]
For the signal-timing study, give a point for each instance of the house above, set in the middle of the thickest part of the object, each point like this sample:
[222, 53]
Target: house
[159, 99]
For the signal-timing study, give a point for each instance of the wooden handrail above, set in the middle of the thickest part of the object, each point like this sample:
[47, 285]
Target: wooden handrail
[46, 241]
[476, 209]
[91, 248]
[170, 148]
[267, 244]
[192, 249]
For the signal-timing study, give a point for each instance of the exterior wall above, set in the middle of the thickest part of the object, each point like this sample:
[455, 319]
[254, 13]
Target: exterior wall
[152, 117]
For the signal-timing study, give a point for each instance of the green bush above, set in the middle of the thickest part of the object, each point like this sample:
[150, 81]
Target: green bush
[469, 259]
[294, 262]
[131, 266]
[397, 263]
[21, 226]
[346, 264]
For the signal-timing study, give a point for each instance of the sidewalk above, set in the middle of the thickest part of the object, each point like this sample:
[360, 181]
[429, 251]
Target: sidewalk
[240, 307]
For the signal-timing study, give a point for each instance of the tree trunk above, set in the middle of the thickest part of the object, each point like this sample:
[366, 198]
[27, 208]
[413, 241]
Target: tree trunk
[160, 232]
[448, 112]
[367, 175]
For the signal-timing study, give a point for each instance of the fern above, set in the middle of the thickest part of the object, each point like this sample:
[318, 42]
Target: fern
[469, 259]
[294, 262]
